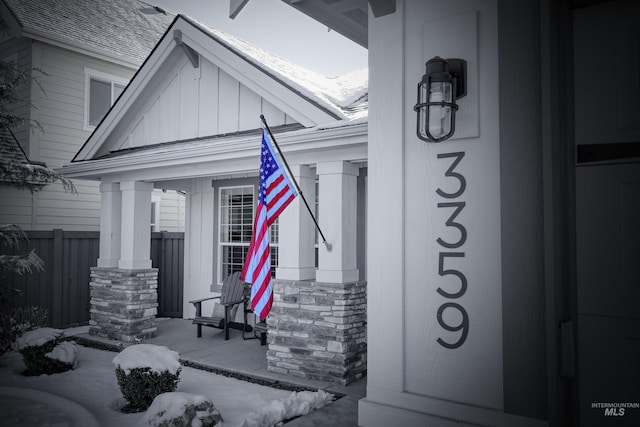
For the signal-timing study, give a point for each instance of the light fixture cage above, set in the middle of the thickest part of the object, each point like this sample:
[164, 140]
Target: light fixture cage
[451, 72]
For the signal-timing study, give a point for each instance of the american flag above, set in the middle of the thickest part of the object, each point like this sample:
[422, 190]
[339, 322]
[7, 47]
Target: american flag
[275, 194]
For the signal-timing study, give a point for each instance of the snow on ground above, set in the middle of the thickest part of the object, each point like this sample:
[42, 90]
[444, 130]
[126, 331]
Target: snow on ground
[93, 386]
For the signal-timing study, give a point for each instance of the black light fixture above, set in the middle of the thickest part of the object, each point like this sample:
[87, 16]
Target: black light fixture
[443, 83]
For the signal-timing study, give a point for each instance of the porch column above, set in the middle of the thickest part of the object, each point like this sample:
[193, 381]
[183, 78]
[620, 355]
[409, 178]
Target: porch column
[337, 183]
[110, 216]
[296, 231]
[199, 244]
[135, 244]
[124, 297]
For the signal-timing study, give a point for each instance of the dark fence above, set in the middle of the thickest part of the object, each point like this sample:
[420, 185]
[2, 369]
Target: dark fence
[63, 286]
[167, 255]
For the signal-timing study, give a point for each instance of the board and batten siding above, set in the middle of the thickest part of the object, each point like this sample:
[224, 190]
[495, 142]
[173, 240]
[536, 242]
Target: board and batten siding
[193, 102]
[58, 98]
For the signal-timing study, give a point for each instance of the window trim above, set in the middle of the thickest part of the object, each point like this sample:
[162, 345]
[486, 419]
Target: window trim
[220, 243]
[90, 74]
[273, 245]
[156, 200]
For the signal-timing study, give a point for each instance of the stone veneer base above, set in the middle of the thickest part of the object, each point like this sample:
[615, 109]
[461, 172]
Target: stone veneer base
[318, 330]
[124, 303]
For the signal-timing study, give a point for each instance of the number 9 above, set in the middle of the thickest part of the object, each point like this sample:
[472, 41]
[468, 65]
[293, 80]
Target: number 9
[464, 325]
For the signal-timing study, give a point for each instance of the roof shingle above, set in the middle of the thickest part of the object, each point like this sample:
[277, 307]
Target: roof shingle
[125, 29]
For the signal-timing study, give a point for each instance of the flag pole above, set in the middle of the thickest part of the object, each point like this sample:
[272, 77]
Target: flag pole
[286, 165]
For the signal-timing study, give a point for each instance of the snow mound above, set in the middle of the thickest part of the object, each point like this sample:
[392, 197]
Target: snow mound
[169, 407]
[66, 352]
[156, 357]
[38, 337]
[297, 404]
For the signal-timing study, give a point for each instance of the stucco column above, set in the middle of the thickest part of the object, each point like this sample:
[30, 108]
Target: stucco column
[110, 217]
[337, 182]
[135, 242]
[296, 231]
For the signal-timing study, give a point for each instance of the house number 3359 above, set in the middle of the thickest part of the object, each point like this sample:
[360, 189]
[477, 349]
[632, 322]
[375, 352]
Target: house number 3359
[453, 249]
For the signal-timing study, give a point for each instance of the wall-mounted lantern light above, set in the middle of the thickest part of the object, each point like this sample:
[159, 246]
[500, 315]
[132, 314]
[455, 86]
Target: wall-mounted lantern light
[444, 81]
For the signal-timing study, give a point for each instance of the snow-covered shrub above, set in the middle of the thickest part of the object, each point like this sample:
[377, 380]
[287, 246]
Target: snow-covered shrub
[15, 321]
[143, 372]
[46, 351]
[181, 410]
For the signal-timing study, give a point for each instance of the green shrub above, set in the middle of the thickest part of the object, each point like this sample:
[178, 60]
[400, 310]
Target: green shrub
[15, 321]
[37, 354]
[141, 385]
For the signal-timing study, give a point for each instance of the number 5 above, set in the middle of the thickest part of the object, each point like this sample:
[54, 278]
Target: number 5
[443, 272]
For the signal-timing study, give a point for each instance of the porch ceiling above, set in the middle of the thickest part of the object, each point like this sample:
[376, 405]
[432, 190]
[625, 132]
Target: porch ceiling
[348, 17]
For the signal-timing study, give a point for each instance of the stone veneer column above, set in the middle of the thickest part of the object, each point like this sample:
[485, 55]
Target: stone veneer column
[124, 295]
[124, 303]
[318, 330]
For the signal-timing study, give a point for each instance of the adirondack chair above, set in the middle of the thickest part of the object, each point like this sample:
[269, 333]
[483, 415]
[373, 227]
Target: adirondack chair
[233, 294]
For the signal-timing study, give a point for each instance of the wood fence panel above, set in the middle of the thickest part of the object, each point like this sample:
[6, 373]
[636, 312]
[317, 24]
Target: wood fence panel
[167, 254]
[80, 251]
[63, 286]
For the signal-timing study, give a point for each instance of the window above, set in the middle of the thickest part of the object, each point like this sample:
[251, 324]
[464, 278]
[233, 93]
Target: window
[100, 92]
[155, 213]
[236, 228]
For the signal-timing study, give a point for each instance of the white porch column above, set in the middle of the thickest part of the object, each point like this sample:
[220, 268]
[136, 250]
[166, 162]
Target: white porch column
[296, 231]
[135, 243]
[199, 244]
[337, 183]
[110, 216]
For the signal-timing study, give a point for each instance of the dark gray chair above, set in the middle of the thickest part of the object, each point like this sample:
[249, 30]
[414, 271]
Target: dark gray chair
[233, 294]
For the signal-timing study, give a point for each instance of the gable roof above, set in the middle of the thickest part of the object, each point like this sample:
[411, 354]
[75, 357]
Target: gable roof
[123, 30]
[15, 167]
[10, 149]
[338, 94]
[308, 97]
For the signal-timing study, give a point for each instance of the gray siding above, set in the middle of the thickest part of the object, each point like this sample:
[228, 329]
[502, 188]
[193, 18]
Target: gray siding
[58, 98]
[61, 113]
[20, 49]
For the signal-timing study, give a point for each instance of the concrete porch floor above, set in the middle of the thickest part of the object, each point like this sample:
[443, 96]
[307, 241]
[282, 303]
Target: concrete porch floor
[247, 358]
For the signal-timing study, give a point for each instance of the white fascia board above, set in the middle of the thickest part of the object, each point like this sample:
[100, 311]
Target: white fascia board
[231, 156]
[101, 54]
[265, 85]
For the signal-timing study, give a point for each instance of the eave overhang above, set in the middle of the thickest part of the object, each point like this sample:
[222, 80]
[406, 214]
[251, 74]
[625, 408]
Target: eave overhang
[227, 156]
